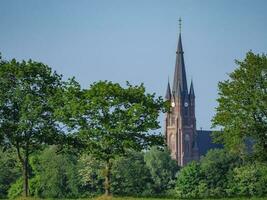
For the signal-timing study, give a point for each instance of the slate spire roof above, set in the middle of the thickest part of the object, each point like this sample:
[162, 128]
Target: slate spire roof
[192, 93]
[168, 91]
[179, 79]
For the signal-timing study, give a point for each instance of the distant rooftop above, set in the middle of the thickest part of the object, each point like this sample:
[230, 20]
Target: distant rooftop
[205, 143]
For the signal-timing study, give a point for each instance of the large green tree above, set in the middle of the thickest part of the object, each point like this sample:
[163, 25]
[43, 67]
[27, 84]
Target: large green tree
[27, 92]
[110, 119]
[130, 175]
[211, 177]
[55, 174]
[163, 169]
[242, 109]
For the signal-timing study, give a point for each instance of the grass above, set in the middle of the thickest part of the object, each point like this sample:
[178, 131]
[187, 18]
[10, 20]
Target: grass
[148, 198]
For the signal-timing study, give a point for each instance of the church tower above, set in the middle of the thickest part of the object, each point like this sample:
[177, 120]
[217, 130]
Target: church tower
[180, 121]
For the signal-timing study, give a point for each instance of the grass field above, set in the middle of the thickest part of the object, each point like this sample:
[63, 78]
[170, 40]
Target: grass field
[132, 198]
[142, 198]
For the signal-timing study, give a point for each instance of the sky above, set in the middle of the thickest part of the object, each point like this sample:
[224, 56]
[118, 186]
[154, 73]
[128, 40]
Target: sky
[135, 40]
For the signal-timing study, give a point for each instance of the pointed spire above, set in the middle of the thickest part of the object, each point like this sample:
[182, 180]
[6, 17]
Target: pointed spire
[179, 73]
[192, 93]
[168, 91]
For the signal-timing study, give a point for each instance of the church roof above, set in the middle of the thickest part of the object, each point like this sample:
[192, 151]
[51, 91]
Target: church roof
[179, 79]
[192, 92]
[205, 143]
[168, 92]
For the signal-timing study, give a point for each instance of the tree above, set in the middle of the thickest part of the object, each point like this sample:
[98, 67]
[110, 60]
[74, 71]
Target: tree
[242, 109]
[162, 168]
[130, 175]
[55, 174]
[110, 119]
[249, 180]
[211, 177]
[188, 181]
[27, 92]
[216, 167]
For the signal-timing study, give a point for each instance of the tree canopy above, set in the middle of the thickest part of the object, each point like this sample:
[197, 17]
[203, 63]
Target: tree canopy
[109, 120]
[163, 169]
[242, 109]
[27, 92]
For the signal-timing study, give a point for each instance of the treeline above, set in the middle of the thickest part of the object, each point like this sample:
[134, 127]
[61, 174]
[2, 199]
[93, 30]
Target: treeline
[68, 175]
[105, 120]
[222, 174]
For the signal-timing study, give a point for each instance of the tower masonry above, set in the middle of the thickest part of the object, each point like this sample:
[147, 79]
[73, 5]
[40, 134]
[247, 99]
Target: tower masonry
[180, 121]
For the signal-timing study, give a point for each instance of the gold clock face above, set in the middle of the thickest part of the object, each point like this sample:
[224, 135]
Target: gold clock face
[173, 104]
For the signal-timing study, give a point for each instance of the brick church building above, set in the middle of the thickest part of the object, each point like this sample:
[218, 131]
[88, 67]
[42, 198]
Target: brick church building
[185, 142]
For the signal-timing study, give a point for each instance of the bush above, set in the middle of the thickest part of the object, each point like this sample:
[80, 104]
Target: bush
[90, 172]
[9, 171]
[216, 168]
[16, 189]
[130, 175]
[189, 180]
[55, 175]
[209, 177]
[163, 170]
[249, 180]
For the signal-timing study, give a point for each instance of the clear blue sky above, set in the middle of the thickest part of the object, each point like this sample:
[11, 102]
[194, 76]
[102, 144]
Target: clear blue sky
[136, 40]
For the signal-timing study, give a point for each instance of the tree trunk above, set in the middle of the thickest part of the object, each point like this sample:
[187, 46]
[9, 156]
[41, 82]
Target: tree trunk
[107, 178]
[25, 171]
[26, 177]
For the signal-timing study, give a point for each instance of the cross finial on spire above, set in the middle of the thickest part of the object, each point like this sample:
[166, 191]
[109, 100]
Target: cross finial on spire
[180, 25]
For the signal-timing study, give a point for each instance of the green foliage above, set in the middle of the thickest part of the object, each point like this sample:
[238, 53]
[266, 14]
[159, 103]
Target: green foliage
[189, 181]
[216, 169]
[9, 170]
[109, 120]
[130, 175]
[27, 91]
[16, 189]
[118, 119]
[242, 107]
[55, 175]
[162, 168]
[249, 180]
[209, 178]
[91, 175]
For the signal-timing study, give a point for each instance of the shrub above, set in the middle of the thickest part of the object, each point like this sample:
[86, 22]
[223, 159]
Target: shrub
[16, 189]
[131, 176]
[189, 180]
[249, 180]
[55, 175]
[9, 171]
[209, 177]
[163, 169]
